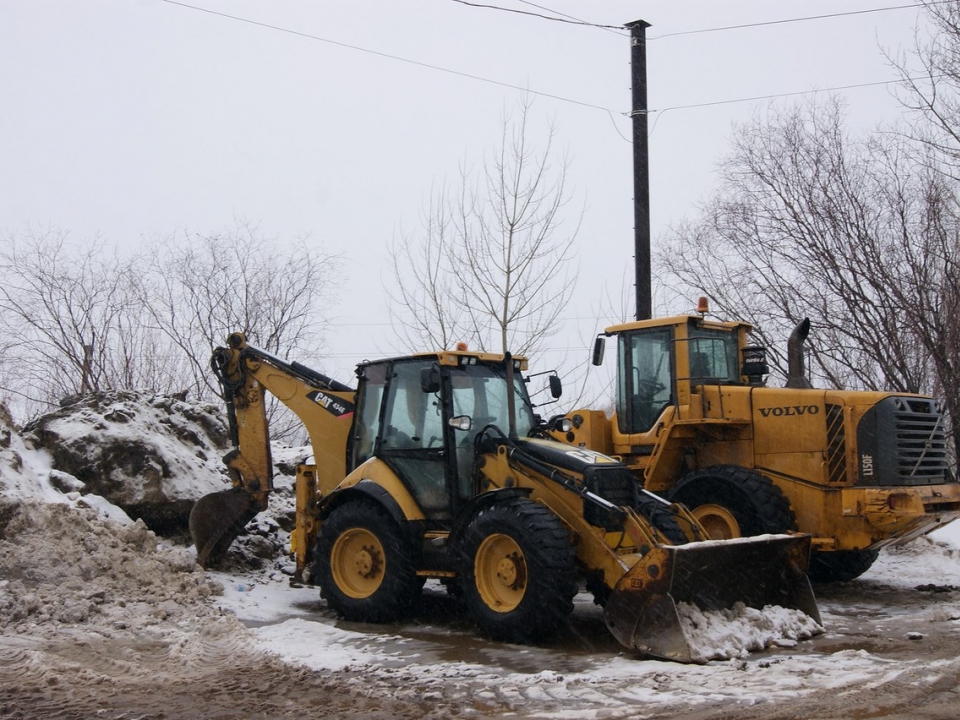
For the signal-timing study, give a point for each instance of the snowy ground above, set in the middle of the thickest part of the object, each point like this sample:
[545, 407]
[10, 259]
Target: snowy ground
[99, 618]
[563, 681]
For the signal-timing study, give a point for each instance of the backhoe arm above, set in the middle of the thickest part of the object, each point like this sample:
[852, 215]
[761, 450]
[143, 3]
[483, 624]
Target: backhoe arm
[325, 407]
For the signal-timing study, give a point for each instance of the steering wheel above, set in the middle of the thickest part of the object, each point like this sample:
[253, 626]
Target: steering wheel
[649, 386]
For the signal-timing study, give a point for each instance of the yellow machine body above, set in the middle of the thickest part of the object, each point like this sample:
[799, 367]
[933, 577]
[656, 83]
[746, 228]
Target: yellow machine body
[437, 467]
[859, 470]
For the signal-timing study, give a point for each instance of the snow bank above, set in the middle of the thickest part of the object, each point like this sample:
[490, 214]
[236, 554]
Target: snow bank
[740, 630]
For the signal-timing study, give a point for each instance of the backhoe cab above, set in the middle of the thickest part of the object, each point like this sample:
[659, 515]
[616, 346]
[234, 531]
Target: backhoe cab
[696, 424]
[436, 467]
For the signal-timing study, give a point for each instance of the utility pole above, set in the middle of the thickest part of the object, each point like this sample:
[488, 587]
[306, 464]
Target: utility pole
[641, 168]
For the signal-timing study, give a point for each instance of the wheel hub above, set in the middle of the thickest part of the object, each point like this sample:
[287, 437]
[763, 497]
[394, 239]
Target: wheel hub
[718, 521]
[508, 571]
[357, 563]
[501, 572]
[366, 562]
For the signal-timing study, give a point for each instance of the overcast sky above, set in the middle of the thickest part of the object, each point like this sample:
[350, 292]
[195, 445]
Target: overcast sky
[135, 119]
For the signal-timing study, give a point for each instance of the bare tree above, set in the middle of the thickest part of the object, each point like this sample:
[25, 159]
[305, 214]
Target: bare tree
[80, 317]
[202, 288]
[491, 265]
[70, 319]
[853, 233]
[930, 86]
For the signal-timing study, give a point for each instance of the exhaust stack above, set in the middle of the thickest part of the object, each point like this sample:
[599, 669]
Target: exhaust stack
[796, 372]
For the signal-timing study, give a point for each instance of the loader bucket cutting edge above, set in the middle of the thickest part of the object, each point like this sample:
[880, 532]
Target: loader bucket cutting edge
[642, 611]
[217, 519]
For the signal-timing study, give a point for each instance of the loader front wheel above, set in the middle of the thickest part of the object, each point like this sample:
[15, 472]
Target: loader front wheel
[731, 501]
[840, 565]
[518, 571]
[365, 566]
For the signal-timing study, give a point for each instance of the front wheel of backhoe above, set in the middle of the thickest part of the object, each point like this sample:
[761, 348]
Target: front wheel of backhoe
[518, 572]
[731, 502]
[365, 565]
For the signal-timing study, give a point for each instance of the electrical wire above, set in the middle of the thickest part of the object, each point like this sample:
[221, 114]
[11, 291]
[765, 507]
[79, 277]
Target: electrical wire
[564, 19]
[766, 97]
[793, 20]
[438, 68]
[610, 112]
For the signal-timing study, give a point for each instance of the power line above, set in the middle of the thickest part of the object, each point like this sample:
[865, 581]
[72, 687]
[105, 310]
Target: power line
[552, 96]
[438, 68]
[769, 97]
[564, 18]
[793, 20]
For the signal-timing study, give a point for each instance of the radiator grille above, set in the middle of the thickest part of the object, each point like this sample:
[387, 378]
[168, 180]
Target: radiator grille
[902, 441]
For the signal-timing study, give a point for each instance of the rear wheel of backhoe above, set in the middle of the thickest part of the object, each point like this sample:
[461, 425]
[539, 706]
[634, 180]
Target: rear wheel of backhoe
[840, 565]
[518, 571]
[365, 565]
[731, 501]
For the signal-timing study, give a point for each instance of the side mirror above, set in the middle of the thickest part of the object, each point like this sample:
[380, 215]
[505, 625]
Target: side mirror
[556, 386]
[430, 379]
[599, 345]
[461, 422]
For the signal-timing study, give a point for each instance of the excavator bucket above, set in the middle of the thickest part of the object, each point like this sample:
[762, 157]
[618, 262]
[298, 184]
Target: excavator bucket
[217, 519]
[650, 609]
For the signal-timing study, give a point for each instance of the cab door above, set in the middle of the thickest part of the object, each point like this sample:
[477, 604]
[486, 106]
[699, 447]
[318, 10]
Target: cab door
[413, 438]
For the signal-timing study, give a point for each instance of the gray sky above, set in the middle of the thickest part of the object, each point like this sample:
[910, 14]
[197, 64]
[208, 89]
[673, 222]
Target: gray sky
[135, 119]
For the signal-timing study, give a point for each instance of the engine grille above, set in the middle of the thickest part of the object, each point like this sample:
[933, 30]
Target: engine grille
[902, 441]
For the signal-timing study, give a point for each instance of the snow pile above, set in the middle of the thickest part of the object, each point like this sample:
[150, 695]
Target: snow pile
[740, 630]
[140, 451]
[928, 561]
[65, 565]
[25, 473]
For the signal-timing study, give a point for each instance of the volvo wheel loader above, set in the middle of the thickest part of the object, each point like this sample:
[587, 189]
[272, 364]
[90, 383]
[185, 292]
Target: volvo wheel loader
[695, 423]
[432, 468]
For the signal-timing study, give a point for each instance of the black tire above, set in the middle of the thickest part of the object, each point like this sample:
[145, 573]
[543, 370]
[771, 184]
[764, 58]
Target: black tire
[758, 506]
[518, 571]
[661, 518]
[365, 565]
[841, 565]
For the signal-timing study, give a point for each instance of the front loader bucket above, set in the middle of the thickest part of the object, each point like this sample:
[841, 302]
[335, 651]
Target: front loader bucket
[217, 519]
[648, 610]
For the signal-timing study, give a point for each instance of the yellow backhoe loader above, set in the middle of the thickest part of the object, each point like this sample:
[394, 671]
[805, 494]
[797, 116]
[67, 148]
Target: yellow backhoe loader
[695, 423]
[433, 468]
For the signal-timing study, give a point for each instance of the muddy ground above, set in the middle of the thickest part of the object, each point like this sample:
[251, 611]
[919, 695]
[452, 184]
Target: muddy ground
[104, 621]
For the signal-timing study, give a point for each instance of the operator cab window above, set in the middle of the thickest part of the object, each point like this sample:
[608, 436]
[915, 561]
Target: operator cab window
[713, 357]
[368, 422]
[480, 391]
[645, 382]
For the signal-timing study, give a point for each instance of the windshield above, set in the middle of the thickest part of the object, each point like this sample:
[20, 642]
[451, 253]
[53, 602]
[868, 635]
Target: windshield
[480, 391]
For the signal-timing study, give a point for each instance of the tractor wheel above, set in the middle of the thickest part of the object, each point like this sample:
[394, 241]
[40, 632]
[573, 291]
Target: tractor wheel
[841, 565]
[662, 519]
[365, 565]
[731, 501]
[518, 571]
